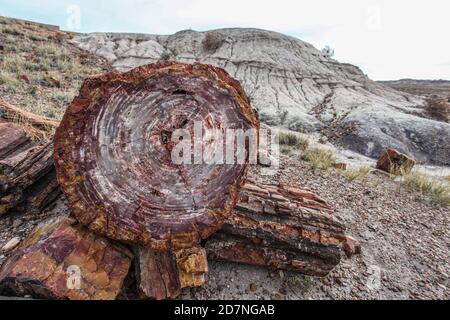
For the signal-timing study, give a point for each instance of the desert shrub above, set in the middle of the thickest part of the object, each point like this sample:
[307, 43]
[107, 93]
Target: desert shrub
[319, 158]
[63, 97]
[437, 191]
[212, 41]
[438, 108]
[355, 174]
[16, 64]
[286, 149]
[9, 82]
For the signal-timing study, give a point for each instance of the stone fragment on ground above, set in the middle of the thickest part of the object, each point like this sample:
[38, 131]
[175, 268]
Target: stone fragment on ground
[395, 162]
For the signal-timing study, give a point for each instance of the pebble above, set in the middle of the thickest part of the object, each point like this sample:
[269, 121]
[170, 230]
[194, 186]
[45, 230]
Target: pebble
[11, 244]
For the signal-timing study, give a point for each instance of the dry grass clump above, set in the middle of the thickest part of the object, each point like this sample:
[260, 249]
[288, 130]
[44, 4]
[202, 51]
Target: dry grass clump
[438, 108]
[358, 174]
[292, 140]
[212, 41]
[319, 158]
[438, 191]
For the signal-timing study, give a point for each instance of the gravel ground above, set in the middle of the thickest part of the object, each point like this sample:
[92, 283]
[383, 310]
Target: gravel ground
[405, 244]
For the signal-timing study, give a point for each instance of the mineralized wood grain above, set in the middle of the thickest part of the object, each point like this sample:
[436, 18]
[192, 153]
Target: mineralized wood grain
[162, 275]
[113, 154]
[27, 174]
[280, 227]
[63, 260]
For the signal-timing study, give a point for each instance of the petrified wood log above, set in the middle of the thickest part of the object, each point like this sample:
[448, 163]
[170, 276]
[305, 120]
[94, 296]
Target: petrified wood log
[113, 154]
[282, 228]
[27, 175]
[63, 260]
[395, 162]
[162, 275]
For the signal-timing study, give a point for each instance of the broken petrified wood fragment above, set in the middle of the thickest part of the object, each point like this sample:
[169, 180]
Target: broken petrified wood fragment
[114, 156]
[282, 228]
[63, 260]
[395, 162]
[162, 275]
[27, 175]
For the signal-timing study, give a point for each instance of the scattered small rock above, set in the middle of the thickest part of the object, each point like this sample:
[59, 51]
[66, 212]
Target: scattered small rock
[253, 287]
[351, 246]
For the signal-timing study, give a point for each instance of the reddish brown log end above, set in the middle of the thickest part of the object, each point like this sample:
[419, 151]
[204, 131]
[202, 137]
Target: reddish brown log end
[113, 154]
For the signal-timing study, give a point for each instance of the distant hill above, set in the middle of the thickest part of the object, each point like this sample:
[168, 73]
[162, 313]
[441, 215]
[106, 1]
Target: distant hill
[421, 87]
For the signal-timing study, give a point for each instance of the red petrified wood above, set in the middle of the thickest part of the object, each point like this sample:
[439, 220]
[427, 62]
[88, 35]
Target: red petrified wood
[395, 162]
[113, 154]
[282, 228]
[27, 175]
[63, 260]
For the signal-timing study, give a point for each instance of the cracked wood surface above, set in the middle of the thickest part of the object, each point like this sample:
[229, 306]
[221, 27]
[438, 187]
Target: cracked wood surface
[63, 260]
[280, 227]
[113, 154]
[27, 175]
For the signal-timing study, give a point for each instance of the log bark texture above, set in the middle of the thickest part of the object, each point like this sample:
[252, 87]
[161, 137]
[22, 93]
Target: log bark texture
[64, 260]
[113, 154]
[162, 275]
[27, 175]
[282, 228]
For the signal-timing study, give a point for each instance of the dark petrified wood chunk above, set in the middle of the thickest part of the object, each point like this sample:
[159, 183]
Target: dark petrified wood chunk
[63, 260]
[395, 162]
[27, 175]
[114, 155]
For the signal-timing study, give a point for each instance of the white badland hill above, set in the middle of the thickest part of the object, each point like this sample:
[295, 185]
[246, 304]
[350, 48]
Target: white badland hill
[296, 87]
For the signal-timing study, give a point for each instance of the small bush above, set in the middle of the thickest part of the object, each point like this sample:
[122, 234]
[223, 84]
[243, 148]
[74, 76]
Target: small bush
[292, 140]
[355, 174]
[319, 158]
[438, 108]
[9, 82]
[286, 150]
[15, 64]
[212, 41]
[438, 191]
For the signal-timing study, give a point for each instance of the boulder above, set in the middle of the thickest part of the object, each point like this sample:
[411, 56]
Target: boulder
[395, 162]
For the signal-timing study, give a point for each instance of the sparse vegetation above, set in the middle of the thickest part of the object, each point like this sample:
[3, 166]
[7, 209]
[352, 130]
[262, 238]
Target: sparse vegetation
[358, 174]
[9, 81]
[39, 70]
[292, 140]
[286, 149]
[319, 158]
[438, 108]
[437, 191]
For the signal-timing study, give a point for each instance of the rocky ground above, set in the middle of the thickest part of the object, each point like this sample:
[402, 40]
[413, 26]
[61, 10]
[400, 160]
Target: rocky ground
[405, 244]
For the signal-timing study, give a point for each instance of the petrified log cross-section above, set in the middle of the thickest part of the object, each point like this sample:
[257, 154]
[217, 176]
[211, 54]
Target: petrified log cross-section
[113, 154]
[282, 228]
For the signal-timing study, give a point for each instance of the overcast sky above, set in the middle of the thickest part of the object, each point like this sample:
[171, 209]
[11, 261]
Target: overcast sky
[388, 39]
